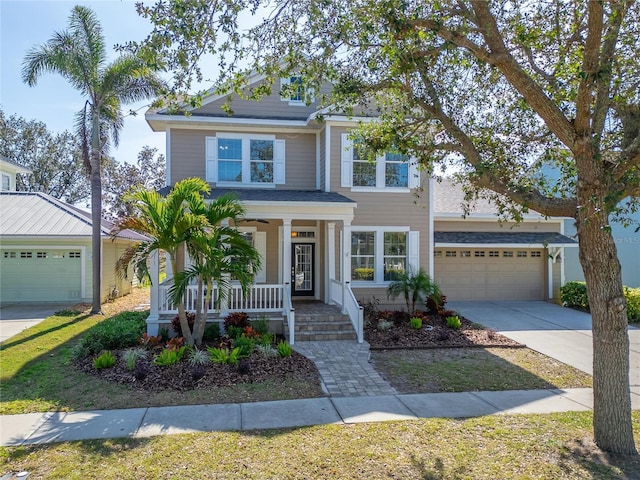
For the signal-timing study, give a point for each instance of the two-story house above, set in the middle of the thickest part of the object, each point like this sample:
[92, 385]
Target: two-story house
[331, 226]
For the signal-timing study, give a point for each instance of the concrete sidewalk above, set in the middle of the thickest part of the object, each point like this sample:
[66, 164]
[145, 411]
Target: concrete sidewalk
[557, 332]
[42, 428]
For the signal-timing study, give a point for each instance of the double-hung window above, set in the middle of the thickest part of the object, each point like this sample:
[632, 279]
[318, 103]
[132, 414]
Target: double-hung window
[390, 171]
[383, 254]
[294, 91]
[245, 160]
[6, 182]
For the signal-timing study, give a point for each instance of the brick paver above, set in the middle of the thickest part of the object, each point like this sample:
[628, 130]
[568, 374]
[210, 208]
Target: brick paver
[344, 368]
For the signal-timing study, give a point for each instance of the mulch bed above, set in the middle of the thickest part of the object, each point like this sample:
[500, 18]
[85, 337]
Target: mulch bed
[180, 377]
[401, 335]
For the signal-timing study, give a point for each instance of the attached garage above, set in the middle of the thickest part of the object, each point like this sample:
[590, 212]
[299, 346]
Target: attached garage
[497, 266]
[48, 275]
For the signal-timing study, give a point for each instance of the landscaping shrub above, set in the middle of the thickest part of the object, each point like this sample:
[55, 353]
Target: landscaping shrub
[234, 332]
[384, 325]
[633, 303]
[398, 317]
[415, 323]
[223, 355]
[169, 356]
[284, 349]
[236, 319]
[261, 325]
[120, 331]
[104, 360]
[574, 295]
[198, 357]
[132, 355]
[245, 345]
[175, 323]
[370, 309]
[211, 332]
[454, 322]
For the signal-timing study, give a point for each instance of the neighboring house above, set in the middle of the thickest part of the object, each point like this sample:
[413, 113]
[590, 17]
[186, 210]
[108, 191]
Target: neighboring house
[8, 171]
[333, 227]
[477, 258]
[45, 251]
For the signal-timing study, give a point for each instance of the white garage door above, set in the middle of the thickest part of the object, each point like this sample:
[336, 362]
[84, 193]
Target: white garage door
[40, 275]
[490, 274]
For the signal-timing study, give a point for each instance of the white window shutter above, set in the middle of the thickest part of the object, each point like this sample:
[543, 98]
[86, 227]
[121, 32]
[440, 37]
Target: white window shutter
[284, 82]
[414, 251]
[211, 154]
[278, 162]
[346, 161]
[414, 173]
[260, 243]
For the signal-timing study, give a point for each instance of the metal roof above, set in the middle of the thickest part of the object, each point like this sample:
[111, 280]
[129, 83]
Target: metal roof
[274, 195]
[39, 214]
[497, 238]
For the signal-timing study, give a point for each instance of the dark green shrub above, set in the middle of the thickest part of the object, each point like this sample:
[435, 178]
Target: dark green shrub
[236, 319]
[245, 345]
[261, 325]
[211, 332]
[234, 332]
[574, 295]
[120, 331]
[175, 323]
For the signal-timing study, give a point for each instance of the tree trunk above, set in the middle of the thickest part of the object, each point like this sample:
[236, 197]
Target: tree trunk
[613, 430]
[182, 316]
[96, 213]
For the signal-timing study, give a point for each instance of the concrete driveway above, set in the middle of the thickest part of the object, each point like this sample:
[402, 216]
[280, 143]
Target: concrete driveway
[16, 317]
[555, 331]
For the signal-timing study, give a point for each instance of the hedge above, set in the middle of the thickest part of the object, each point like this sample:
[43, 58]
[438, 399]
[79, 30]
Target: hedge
[574, 295]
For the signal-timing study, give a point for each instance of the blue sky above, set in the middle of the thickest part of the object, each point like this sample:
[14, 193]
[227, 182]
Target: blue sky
[26, 23]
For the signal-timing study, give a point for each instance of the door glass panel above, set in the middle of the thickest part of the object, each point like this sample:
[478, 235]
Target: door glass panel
[303, 268]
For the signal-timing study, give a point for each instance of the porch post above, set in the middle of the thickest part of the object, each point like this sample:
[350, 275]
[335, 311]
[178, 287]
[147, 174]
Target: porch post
[154, 297]
[331, 258]
[345, 260]
[286, 250]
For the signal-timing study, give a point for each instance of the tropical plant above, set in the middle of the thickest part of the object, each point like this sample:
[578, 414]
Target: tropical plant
[415, 287]
[104, 360]
[80, 56]
[266, 350]
[454, 322]
[169, 356]
[198, 357]
[415, 323]
[224, 355]
[168, 222]
[132, 355]
[284, 349]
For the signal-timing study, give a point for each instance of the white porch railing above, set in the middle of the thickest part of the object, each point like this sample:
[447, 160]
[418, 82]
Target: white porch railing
[335, 291]
[260, 298]
[290, 313]
[355, 312]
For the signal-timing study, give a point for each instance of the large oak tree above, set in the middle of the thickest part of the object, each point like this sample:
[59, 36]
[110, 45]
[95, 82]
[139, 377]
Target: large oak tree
[492, 87]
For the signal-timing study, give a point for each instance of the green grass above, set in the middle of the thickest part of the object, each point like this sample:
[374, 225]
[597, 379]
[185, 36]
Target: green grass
[36, 376]
[461, 370]
[552, 446]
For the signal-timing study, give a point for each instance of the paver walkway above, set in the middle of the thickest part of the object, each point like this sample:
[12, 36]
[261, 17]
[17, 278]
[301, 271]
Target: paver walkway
[344, 368]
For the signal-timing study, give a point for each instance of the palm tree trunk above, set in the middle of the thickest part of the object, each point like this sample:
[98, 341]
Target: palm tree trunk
[96, 213]
[184, 324]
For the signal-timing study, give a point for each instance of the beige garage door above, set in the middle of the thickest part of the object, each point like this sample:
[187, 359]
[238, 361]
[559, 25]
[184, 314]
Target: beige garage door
[490, 274]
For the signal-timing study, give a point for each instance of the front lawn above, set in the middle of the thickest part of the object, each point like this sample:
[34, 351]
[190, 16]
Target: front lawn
[555, 446]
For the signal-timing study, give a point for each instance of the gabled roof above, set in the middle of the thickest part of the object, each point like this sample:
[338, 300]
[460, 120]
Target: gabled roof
[551, 239]
[274, 195]
[448, 201]
[39, 214]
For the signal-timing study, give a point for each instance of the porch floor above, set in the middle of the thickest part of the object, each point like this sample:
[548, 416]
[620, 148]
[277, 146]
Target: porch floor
[344, 368]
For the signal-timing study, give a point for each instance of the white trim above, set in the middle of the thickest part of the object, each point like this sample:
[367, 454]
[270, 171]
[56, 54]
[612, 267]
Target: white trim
[83, 258]
[480, 217]
[380, 190]
[378, 252]
[327, 159]
[431, 240]
[193, 121]
[503, 245]
[167, 157]
[318, 160]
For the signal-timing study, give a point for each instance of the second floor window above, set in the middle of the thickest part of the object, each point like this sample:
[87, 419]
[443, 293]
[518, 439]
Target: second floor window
[251, 160]
[392, 171]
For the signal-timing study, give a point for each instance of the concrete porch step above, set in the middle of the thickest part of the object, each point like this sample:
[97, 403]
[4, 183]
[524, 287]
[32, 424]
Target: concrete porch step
[325, 336]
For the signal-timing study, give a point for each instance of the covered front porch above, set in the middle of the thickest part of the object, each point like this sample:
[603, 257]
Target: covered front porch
[304, 241]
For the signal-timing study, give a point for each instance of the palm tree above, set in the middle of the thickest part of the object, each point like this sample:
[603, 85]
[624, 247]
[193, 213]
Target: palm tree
[415, 287]
[79, 55]
[169, 222]
[220, 253]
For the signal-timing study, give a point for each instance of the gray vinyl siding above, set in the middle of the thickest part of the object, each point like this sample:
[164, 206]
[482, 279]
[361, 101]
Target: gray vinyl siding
[188, 157]
[271, 106]
[493, 226]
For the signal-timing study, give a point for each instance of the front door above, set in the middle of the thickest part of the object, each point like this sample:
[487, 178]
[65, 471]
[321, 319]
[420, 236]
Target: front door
[302, 261]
